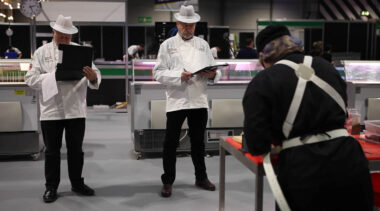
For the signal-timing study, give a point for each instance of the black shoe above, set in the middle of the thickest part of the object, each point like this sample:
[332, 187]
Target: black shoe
[50, 195]
[83, 190]
[205, 184]
[166, 190]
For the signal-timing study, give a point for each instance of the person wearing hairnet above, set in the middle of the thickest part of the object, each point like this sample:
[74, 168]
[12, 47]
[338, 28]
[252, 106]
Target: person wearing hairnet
[186, 95]
[299, 103]
[62, 108]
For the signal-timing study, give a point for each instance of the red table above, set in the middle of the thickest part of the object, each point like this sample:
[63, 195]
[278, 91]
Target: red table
[255, 164]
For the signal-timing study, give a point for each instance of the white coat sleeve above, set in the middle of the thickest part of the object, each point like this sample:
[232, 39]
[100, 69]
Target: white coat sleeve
[36, 75]
[95, 86]
[163, 72]
[212, 62]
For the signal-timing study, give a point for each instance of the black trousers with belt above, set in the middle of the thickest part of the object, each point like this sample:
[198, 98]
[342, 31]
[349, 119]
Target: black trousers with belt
[52, 131]
[197, 120]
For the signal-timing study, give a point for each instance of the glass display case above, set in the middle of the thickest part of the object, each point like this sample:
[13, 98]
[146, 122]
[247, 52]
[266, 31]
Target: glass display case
[237, 70]
[148, 100]
[363, 86]
[362, 71]
[13, 70]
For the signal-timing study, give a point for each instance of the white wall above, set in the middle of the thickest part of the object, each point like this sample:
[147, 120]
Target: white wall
[84, 11]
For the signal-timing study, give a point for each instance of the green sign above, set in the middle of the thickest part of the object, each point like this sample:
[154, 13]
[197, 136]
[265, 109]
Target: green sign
[19, 91]
[142, 19]
[364, 13]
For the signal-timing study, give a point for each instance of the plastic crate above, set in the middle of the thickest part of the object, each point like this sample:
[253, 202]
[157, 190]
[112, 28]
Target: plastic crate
[372, 126]
[372, 136]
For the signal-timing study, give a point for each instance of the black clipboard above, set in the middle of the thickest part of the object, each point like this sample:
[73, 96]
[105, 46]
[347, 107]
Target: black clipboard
[74, 58]
[209, 68]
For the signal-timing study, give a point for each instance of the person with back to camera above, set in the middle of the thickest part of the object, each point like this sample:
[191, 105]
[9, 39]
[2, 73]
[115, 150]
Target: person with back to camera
[320, 166]
[214, 51]
[327, 53]
[317, 48]
[62, 110]
[247, 52]
[186, 95]
[13, 53]
[134, 51]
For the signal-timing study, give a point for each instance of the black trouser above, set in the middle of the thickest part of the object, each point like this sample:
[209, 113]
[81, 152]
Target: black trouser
[52, 131]
[197, 120]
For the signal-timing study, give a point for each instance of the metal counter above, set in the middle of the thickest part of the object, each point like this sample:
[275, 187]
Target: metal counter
[19, 127]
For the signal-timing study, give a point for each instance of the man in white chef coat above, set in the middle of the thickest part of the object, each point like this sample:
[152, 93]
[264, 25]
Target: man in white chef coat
[186, 95]
[63, 108]
[134, 51]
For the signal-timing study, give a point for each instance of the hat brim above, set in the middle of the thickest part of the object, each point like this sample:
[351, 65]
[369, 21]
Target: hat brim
[184, 19]
[72, 30]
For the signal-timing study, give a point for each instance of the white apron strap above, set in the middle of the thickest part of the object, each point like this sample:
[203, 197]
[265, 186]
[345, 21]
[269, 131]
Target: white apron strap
[273, 183]
[329, 90]
[296, 101]
[300, 89]
[307, 60]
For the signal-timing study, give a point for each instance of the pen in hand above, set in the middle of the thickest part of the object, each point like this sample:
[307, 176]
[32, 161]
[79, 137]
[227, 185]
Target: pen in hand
[186, 75]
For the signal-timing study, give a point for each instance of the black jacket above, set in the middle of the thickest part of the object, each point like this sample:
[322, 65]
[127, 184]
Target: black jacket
[304, 169]
[247, 53]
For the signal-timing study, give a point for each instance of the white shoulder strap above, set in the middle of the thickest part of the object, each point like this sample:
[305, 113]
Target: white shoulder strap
[307, 60]
[300, 89]
[296, 101]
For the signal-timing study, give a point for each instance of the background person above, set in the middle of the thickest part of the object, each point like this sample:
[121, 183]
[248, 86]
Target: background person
[247, 52]
[214, 51]
[134, 51]
[13, 53]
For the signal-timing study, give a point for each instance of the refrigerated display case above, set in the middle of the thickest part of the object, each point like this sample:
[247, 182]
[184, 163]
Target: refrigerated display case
[363, 84]
[147, 105]
[19, 127]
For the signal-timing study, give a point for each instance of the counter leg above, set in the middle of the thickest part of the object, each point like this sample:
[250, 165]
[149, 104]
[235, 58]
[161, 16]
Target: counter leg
[259, 189]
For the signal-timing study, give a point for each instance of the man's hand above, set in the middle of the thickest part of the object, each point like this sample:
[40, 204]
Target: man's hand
[186, 76]
[210, 74]
[90, 74]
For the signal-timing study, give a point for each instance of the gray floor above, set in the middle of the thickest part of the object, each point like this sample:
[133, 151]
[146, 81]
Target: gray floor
[121, 182]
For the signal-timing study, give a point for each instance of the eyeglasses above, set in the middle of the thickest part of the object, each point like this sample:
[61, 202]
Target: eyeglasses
[187, 25]
[64, 37]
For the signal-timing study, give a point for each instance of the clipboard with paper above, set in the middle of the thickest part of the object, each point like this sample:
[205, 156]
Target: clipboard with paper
[72, 60]
[209, 68]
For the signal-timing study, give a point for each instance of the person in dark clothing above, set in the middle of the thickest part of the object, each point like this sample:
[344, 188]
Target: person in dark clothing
[330, 174]
[327, 53]
[247, 52]
[226, 52]
[317, 48]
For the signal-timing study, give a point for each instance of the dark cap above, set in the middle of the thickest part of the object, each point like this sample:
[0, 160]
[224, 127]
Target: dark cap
[268, 34]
